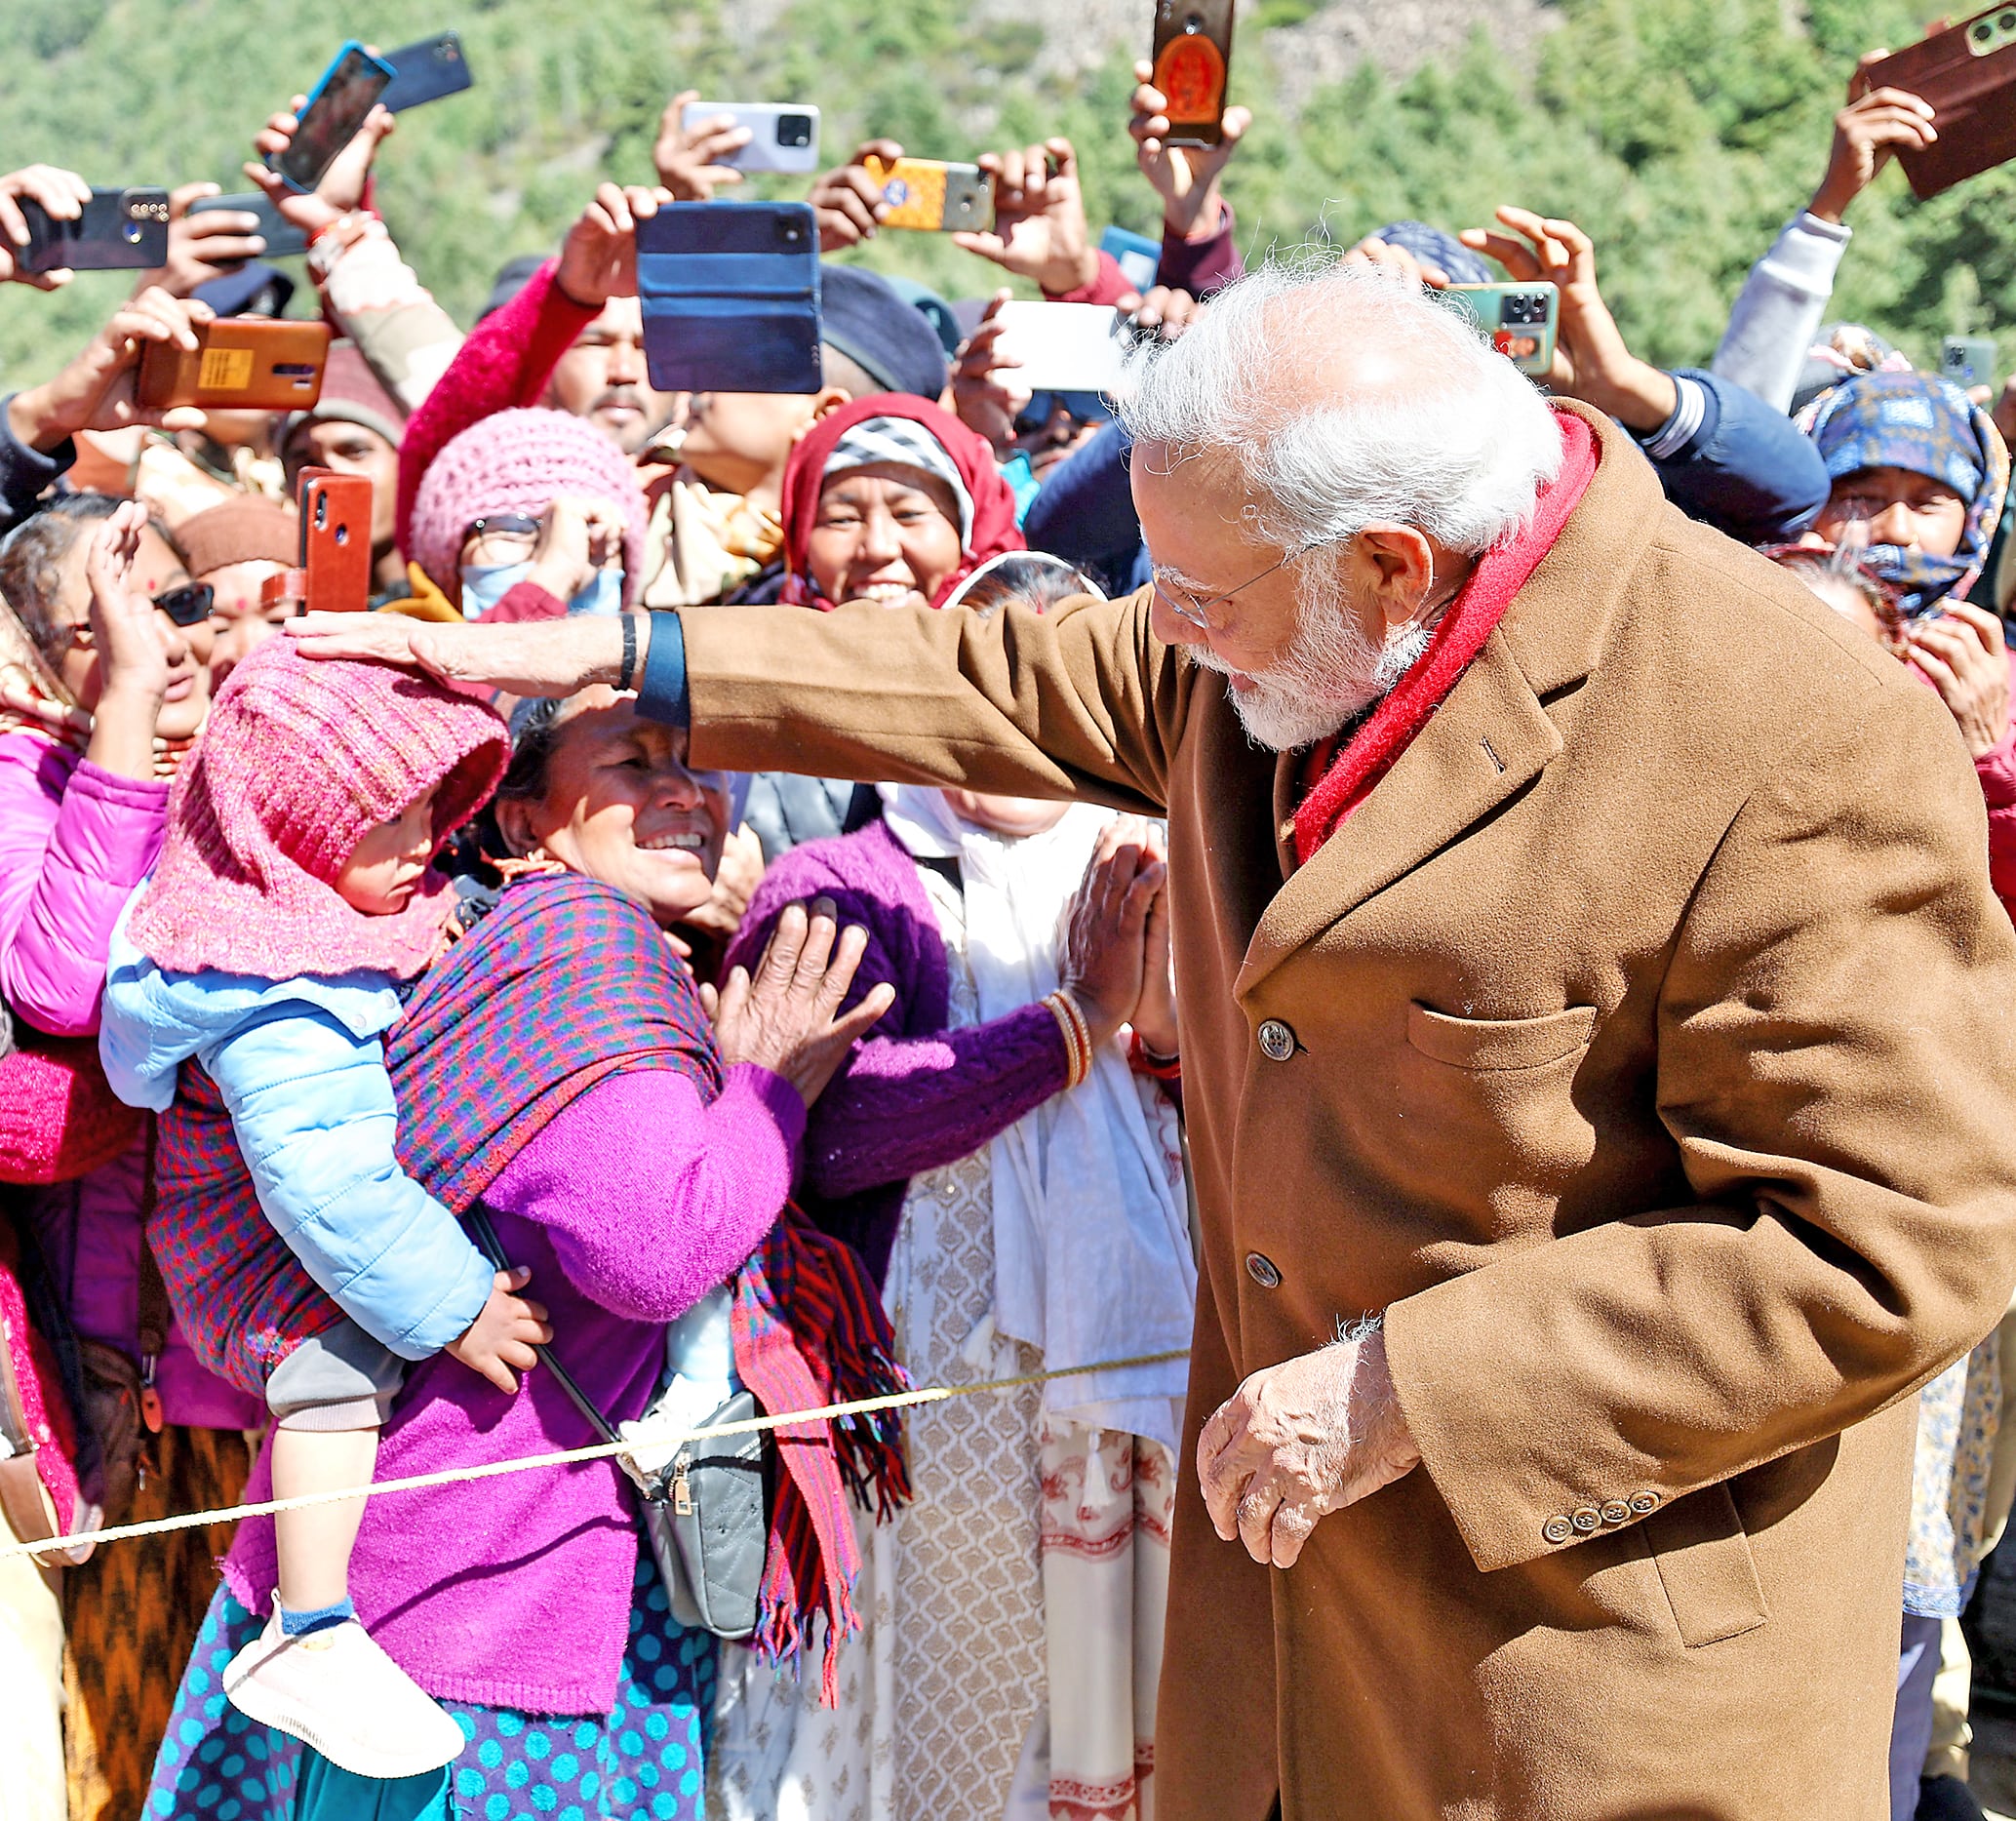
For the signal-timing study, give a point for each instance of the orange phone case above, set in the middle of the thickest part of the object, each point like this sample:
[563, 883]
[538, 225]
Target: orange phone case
[336, 540]
[930, 196]
[244, 363]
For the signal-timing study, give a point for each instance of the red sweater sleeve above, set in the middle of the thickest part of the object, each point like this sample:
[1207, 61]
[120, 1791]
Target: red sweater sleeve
[1997, 771]
[1108, 287]
[505, 362]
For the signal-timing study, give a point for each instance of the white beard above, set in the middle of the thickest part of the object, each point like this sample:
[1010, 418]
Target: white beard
[1330, 673]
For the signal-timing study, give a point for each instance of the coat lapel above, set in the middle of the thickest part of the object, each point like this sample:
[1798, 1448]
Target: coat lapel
[1489, 738]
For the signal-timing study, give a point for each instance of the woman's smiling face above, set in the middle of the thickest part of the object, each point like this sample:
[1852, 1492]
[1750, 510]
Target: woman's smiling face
[885, 533]
[621, 807]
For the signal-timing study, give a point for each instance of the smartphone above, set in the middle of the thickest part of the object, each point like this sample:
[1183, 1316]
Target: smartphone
[730, 296]
[1138, 258]
[283, 239]
[1065, 347]
[1192, 57]
[1968, 73]
[932, 197]
[783, 136]
[240, 363]
[426, 70]
[1519, 319]
[341, 102]
[118, 230]
[336, 540]
[1967, 360]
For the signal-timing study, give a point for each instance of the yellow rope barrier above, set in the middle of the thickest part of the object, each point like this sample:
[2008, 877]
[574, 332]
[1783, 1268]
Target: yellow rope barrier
[53, 1547]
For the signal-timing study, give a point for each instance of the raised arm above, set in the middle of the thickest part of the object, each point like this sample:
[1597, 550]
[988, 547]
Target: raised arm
[1082, 702]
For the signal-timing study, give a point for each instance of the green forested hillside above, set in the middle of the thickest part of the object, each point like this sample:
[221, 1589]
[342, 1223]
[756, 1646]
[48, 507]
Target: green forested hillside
[1680, 132]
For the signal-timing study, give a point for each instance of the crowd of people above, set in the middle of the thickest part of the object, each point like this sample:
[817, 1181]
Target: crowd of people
[411, 1067]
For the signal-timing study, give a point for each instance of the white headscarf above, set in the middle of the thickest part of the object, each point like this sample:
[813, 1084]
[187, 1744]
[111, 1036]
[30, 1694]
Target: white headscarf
[1091, 1237]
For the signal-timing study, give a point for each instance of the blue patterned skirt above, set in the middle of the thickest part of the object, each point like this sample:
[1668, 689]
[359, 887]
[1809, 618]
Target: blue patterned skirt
[641, 1761]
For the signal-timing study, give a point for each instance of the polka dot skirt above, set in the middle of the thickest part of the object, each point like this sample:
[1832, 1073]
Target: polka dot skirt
[642, 1759]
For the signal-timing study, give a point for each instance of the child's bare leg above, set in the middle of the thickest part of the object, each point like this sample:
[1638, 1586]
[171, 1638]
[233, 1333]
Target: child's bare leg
[314, 1544]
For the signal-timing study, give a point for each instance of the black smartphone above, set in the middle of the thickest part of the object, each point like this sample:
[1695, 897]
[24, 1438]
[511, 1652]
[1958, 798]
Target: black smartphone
[341, 102]
[283, 239]
[426, 70]
[118, 230]
[1192, 57]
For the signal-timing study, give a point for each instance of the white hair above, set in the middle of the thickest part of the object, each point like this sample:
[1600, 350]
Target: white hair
[1456, 442]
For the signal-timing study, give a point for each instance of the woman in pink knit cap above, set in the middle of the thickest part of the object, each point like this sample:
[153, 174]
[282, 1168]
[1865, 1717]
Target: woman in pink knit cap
[528, 515]
[261, 967]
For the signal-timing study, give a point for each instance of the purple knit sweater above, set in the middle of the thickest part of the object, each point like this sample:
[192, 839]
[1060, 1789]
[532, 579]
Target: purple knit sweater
[913, 1096]
[515, 1591]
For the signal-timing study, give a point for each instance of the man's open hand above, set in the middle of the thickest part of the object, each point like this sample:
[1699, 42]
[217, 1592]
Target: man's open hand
[1299, 1441]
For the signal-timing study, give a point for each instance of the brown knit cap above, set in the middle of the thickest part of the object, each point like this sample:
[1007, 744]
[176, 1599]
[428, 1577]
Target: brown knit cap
[251, 530]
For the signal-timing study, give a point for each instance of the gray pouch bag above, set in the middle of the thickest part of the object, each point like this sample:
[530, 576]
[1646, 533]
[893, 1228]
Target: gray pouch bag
[706, 1510]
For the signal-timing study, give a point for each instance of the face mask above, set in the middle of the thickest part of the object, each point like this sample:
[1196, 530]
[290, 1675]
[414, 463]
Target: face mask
[484, 584]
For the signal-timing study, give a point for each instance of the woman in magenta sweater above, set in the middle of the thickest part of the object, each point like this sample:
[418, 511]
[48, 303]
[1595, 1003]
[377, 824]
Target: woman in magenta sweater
[556, 1068]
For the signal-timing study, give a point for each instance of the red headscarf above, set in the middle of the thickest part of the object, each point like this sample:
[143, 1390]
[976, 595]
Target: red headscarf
[994, 501]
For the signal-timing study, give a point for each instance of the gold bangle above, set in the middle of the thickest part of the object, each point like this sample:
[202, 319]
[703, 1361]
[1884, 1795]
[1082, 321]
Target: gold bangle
[1076, 1064]
[1084, 1031]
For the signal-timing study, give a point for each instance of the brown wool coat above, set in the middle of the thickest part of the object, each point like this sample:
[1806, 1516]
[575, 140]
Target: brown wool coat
[1648, 1068]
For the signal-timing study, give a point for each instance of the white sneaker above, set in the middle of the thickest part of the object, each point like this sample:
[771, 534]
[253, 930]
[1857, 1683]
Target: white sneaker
[339, 1691]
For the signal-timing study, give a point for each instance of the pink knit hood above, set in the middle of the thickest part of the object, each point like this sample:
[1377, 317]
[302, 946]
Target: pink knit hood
[302, 758]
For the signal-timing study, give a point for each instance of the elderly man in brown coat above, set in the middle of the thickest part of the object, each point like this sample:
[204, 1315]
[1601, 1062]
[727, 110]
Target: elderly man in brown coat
[1595, 1019]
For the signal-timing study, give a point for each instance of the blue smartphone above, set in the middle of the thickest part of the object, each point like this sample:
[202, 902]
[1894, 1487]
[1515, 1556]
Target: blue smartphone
[340, 103]
[731, 294]
[428, 69]
[1138, 258]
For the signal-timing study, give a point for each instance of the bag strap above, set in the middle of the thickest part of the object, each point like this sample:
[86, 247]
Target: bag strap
[151, 1324]
[485, 1237]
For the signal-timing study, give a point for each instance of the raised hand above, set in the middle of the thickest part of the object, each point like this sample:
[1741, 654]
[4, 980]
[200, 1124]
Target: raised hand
[62, 193]
[598, 259]
[786, 1016]
[1873, 129]
[1040, 229]
[97, 390]
[686, 162]
[202, 247]
[985, 395]
[342, 184]
[1106, 927]
[846, 202]
[1184, 176]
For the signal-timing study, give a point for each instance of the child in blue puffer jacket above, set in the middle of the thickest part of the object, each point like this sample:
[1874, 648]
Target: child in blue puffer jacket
[250, 984]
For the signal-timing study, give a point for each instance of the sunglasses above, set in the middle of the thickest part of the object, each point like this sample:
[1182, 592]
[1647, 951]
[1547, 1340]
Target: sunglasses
[189, 604]
[1082, 408]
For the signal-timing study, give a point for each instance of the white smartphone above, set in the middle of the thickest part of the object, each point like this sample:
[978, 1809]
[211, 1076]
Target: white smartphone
[1065, 347]
[782, 134]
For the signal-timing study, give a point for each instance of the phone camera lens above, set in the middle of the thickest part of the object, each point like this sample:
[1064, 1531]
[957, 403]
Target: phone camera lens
[794, 128]
[1523, 309]
[1983, 31]
[2008, 22]
[132, 230]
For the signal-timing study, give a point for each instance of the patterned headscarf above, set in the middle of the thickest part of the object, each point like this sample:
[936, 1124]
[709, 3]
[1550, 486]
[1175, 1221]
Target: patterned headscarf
[1928, 426]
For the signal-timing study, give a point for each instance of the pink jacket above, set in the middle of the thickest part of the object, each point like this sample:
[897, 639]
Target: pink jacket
[74, 842]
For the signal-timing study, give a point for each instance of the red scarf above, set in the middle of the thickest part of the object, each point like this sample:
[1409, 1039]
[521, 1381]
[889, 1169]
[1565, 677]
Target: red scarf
[1341, 780]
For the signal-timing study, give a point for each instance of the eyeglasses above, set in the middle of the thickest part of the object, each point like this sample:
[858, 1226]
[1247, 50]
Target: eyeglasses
[1191, 612]
[189, 604]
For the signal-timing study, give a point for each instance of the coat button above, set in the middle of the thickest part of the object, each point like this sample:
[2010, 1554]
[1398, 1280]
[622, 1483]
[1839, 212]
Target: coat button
[1276, 1040]
[1617, 1510]
[1643, 1503]
[1263, 1269]
[1556, 1529]
[1587, 1519]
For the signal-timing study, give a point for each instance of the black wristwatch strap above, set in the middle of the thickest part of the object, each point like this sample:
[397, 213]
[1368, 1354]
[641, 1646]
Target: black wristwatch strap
[626, 678]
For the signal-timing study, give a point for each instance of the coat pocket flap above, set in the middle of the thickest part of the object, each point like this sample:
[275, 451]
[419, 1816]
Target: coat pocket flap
[1702, 1552]
[1501, 1043]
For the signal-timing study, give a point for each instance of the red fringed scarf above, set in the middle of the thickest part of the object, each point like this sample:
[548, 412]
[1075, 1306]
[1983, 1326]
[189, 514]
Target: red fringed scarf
[1341, 780]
